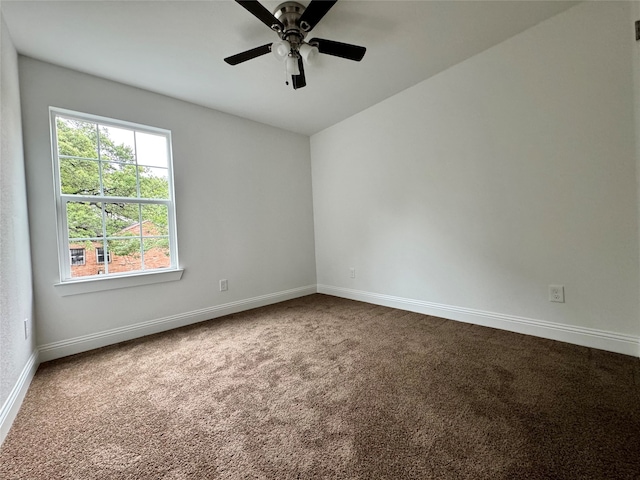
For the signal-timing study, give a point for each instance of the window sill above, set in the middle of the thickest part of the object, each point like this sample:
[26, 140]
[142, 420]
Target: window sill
[77, 287]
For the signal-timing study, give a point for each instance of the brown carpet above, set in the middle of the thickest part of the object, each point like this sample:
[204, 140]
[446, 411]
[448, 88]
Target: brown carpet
[322, 387]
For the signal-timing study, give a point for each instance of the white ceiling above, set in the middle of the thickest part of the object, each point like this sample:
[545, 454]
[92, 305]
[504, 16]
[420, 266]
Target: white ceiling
[177, 48]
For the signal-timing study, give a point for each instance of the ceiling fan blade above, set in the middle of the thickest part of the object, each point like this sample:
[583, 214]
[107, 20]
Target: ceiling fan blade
[339, 49]
[248, 55]
[262, 14]
[314, 13]
[299, 81]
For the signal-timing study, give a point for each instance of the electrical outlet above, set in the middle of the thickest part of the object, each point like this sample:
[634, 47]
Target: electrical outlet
[26, 328]
[556, 293]
[224, 285]
[352, 272]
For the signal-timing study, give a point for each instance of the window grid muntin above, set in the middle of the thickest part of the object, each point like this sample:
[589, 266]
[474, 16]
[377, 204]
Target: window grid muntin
[141, 240]
[73, 157]
[99, 239]
[135, 149]
[63, 199]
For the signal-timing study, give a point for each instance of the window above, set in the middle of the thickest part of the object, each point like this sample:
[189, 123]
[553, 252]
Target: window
[114, 193]
[77, 256]
[100, 255]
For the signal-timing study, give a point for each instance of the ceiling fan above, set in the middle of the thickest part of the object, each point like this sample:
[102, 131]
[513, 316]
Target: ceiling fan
[292, 21]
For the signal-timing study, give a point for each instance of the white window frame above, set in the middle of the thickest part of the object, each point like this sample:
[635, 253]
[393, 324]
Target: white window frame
[109, 281]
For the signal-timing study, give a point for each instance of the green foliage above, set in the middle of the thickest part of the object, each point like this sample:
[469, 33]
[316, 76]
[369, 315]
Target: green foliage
[152, 186]
[121, 177]
[84, 219]
[151, 243]
[125, 247]
[77, 139]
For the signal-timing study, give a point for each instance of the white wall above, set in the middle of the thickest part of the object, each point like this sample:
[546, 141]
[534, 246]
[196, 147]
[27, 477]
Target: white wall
[17, 354]
[468, 194]
[244, 210]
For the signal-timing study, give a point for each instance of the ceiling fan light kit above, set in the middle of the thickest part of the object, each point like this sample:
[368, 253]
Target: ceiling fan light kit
[292, 21]
[309, 53]
[281, 49]
[292, 66]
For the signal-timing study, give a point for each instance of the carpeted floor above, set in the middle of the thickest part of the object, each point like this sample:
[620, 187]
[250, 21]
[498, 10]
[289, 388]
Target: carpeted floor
[322, 387]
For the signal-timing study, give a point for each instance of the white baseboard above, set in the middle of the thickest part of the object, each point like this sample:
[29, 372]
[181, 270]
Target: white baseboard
[12, 404]
[588, 337]
[84, 343]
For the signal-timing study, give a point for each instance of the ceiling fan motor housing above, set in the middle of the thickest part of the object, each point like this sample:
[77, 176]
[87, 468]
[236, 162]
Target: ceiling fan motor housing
[289, 14]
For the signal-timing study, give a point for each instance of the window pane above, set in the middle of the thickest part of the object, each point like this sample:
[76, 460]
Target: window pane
[117, 144]
[156, 253]
[125, 255]
[84, 220]
[123, 219]
[154, 182]
[155, 220]
[152, 150]
[79, 177]
[76, 138]
[119, 180]
[107, 167]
